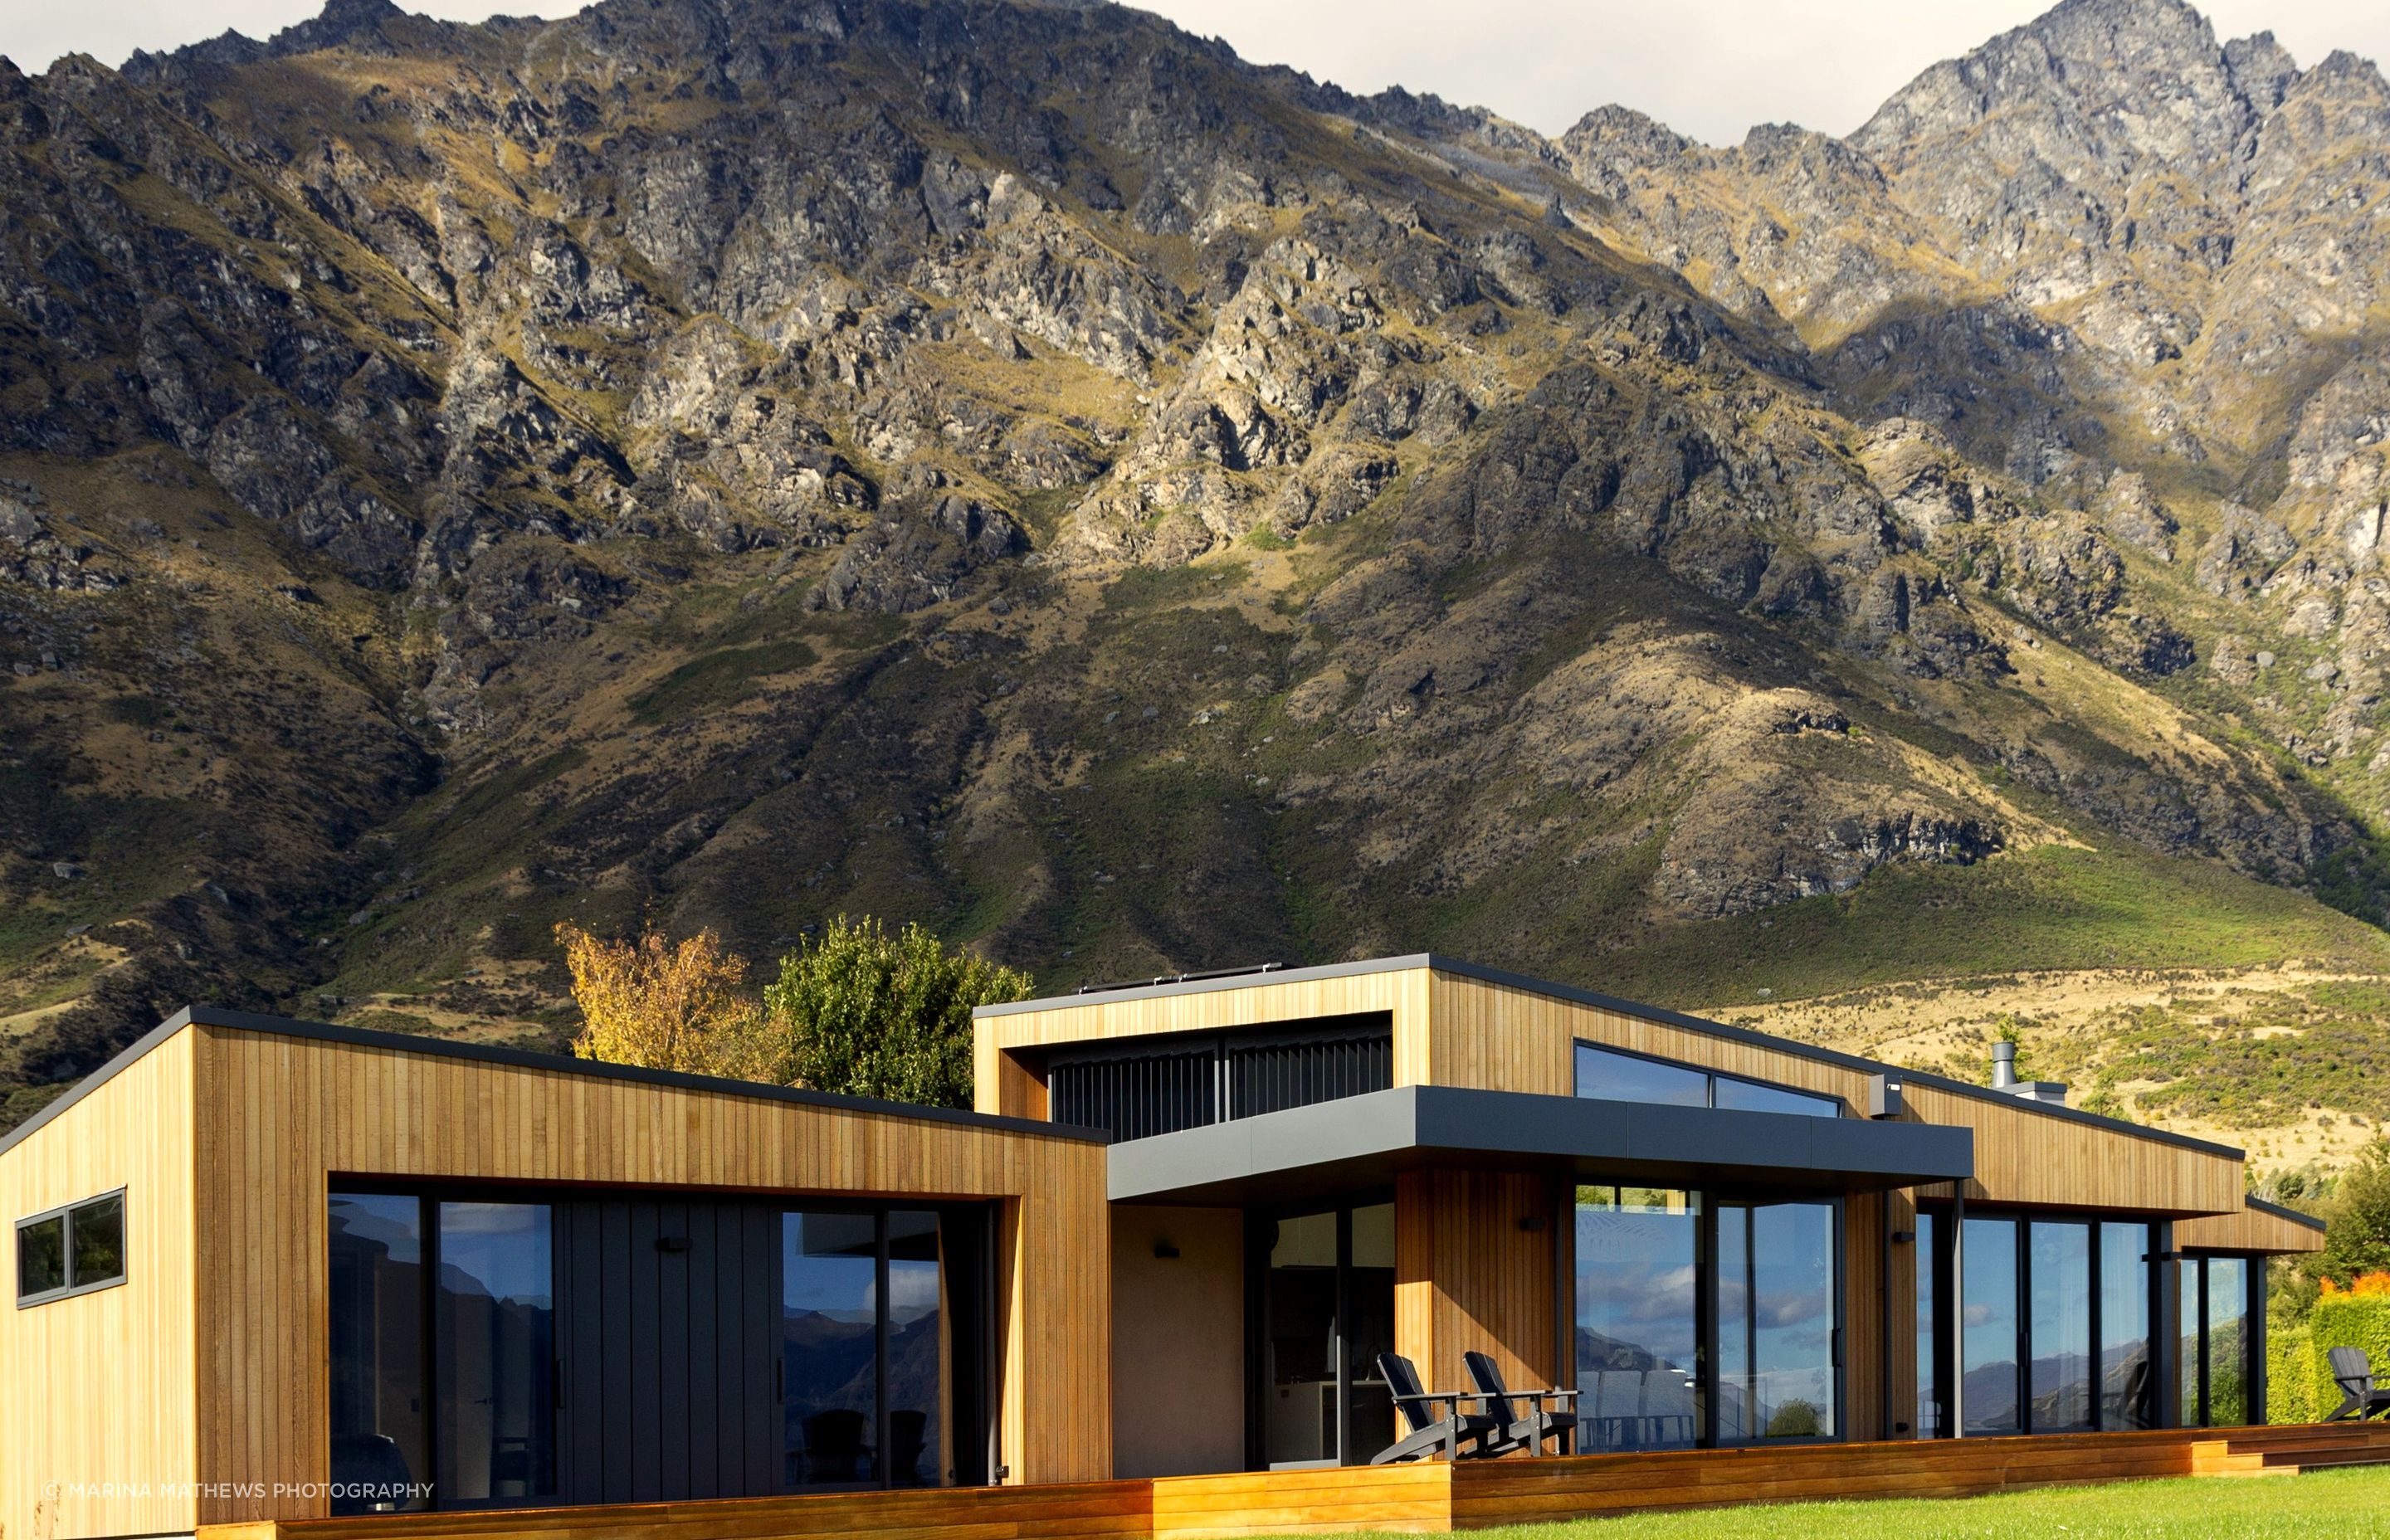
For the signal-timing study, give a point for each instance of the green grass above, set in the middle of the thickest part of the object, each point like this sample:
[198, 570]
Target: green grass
[2339, 1504]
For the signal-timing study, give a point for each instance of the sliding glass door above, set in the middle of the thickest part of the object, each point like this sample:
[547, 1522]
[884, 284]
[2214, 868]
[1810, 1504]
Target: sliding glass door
[2052, 1324]
[864, 1343]
[2222, 1305]
[1779, 1351]
[1640, 1318]
[1324, 1297]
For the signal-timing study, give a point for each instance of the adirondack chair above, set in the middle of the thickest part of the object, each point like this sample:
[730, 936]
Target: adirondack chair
[2363, 1393]
[1515, 1427]
[1430, 1435]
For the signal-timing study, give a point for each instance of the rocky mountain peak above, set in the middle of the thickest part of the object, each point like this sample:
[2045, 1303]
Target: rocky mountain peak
[1020, 467]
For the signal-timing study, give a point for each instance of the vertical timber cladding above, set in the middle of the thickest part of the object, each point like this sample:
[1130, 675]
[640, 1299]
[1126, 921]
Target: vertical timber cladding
[282, 1115]
[99, 1385]
[1506, 1038]
[1474, 1272]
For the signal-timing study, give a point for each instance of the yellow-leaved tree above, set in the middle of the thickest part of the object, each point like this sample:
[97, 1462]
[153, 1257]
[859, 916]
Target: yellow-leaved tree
[664, 1004]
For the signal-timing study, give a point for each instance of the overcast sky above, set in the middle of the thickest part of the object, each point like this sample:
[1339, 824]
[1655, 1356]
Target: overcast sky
[1709, 68]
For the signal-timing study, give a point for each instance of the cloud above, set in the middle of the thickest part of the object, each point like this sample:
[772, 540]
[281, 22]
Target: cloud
[1708, 67]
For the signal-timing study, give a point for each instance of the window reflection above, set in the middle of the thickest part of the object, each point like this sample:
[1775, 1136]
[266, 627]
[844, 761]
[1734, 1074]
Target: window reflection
[1608, 1076]
[1929, 1317]
[380, 1458]
[2125, 1387]
[829, 1344]
[2061, 1326]
[1987, 1325]
[1776, 1279]
[917, 1353]
[2227, 1341]
[497, 1346]
[1638, 1321]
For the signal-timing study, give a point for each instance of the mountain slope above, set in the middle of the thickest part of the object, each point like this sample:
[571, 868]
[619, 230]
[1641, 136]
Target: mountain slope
[1018, 466]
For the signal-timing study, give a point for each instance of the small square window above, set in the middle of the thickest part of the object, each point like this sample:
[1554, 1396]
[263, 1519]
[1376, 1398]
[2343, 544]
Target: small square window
[98, 1236]
[42, 1256]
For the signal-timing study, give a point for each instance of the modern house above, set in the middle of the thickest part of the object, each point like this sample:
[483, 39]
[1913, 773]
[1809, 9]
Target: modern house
[339, 1283]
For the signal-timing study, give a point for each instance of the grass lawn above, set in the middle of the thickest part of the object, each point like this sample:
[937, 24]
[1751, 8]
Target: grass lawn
[2340, 1504]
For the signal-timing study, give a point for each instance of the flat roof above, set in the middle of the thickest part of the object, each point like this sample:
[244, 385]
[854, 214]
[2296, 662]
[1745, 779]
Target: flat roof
[1367, 1140]
[1259, 980]
[519, 1058]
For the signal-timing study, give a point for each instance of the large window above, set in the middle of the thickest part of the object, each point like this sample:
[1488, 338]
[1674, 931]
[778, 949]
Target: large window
[1610, 1075]
[71, 1251]
[2058, 1375]
[1778, 1357]
[2128, 1393]
[2221, 1301]
[865, 1339]
[2053, 1322]
[642, 1347]
[381, 1453]
[493, 1334]
[1638, 1318]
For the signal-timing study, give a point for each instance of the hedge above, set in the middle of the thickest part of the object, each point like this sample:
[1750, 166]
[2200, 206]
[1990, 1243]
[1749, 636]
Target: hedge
[2298, 1369]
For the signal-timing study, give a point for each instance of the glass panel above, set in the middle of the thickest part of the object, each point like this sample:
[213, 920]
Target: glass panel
[1370, 1296]
[1606, 1076]
[1987, 1319]
[2227, 1341]
[1776, 1321]
[829, 1346]
[2125, 1387]
[918, 1349]
[2061, 1327]
[497, 1346]
[1299, 1422]
[42, 1256]
[380, 1456]
[1743, 1095]
[1637, 1322]
[1928, 1359]
[97, 1231]
[2190, 1356]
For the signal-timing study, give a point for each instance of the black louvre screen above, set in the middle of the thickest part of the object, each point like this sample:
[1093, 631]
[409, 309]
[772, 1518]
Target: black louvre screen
[1136, 1091]
[1137, 1097]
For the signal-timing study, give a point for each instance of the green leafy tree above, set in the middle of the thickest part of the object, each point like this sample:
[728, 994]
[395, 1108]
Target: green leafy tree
[865, 1013]
[2357, 1240]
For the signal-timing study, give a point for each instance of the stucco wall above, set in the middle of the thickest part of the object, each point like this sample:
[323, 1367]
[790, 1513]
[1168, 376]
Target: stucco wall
[1179, 1342]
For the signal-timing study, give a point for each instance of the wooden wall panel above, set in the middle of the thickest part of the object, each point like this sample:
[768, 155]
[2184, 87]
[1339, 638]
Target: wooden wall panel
[1863, 1316]
[2248, 1230]
[1901, 1305]
[1470, 1277]
[99, 1386]
[287, 1113]
[1496, 1038]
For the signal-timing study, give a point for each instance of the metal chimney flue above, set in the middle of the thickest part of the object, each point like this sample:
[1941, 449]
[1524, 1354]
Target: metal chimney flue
[2003, 1066]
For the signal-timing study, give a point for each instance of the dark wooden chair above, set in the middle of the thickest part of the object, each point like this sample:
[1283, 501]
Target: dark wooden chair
[2363, 1393]
[1452, 1435]
[1516, 1428]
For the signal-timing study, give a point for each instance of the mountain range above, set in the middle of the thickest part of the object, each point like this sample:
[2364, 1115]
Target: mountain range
[1018, 466]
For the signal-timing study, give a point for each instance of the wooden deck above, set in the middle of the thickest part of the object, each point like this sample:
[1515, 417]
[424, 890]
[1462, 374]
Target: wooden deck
[1427, 1498]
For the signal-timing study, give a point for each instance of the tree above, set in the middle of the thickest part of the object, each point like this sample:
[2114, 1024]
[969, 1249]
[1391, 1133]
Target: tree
[865, 1013]
[2357, 1237]
[662, 1004]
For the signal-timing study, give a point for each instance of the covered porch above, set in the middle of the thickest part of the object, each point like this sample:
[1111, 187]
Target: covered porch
[1703, 1275]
